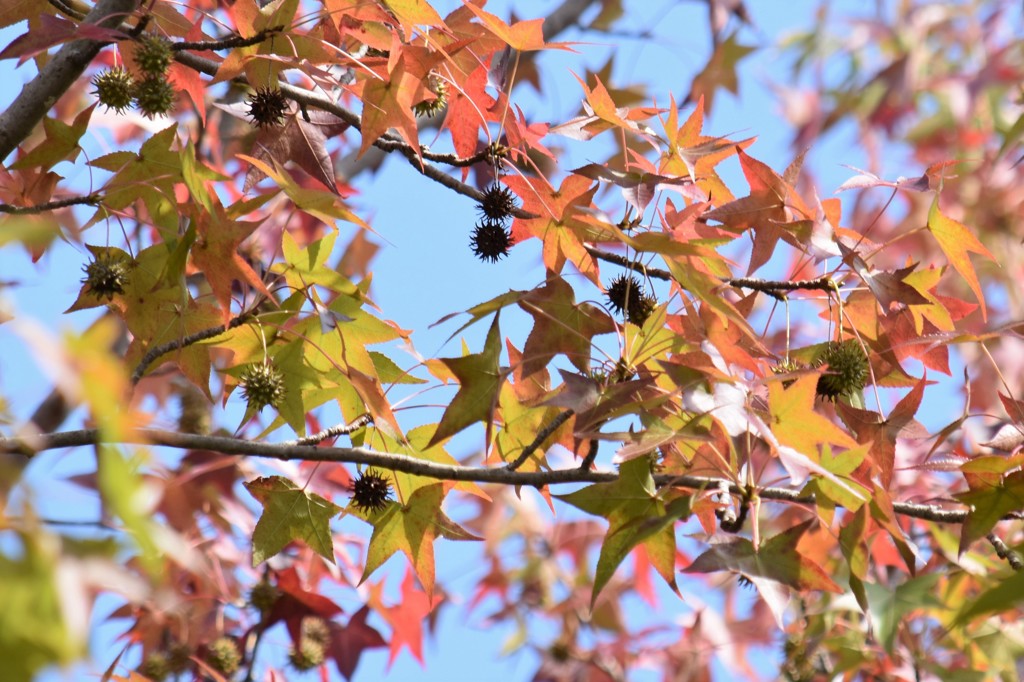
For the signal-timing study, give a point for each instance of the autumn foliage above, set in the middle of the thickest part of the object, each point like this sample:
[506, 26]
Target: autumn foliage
[740, 424]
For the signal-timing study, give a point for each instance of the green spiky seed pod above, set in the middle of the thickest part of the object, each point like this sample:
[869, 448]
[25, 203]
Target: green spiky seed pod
[263, 596]
[178, 660]
[106, 276]
[267, 107]
[785, 367]
[154, 96]
[434, 106]
[262, 385]
[498, 203]
[115, 89]
[222, 655]
[153, 55]
[309, 654]
[490, 240]
[316, 629]
[371, 492]
[156, 666]
[847, 371]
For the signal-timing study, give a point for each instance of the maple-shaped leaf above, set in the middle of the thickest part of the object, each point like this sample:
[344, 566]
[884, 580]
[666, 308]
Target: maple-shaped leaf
[559, 224]
[406, 617]
[720, 71]
[601, 114]
[638, 187]
[390, 94]
[869, 428]
[636, 514]
[777, 559]
[1008, 592]
[956, 241]
[215, 253]
[61, 142]
[480, 379]
[524, 36]
[347, 644]
[410, 528]
[560, 325]
[990, 498]
[295, 602]
[290, 513]
[301, 141]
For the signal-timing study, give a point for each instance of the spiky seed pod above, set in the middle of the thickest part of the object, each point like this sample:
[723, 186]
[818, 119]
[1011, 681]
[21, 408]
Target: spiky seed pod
[195, 411]
[262, 385]
[785, 367]
[371, 492]
[153, 55]
[106, 276]
[316, 629]
[154, 96]
[222, 655]
[309, 654]
[178, 660]
[847, 370]
[641, 310]
[263, 596]
[498, 203]
[490, 240]
[156, 666]
[625, 293]
[267, 107]
[434, 106]
[115, 89]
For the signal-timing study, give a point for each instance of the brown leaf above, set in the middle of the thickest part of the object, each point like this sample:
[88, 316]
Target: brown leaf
[301, 141]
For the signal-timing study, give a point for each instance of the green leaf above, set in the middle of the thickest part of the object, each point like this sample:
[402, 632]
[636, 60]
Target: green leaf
[635, 514]
[411, 529]
[989, 502]
[997, 599]
[889, 607]
[290, 513]
[480, 379]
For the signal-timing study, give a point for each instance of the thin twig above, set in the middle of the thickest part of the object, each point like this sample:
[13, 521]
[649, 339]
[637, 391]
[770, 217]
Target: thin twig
[542, 436]
[420, 467]
[227, 43]
[177, 344]
[91, 199]
[1005, 553]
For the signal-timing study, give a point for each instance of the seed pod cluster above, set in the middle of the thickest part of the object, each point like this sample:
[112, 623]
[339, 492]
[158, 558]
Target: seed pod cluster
[311, 650]
[491, 238]
[154, 96]
[115, 89]
[222, 655]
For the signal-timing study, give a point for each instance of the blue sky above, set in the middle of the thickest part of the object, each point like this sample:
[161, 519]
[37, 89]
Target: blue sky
[426, 270]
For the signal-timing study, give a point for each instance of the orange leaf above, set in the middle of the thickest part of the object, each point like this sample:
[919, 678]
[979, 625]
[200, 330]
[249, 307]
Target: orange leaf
[956, 241]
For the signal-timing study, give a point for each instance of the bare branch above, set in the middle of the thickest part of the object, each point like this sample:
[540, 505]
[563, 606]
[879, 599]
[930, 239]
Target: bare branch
[542, 436]
[339, 430]
[201, 335]
[91, 200]
[53, 80]
[228, 43]
[1005, 553]
[448, 472]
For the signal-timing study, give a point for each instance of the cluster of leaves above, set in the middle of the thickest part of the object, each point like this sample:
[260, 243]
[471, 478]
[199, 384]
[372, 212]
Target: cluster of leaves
[740, 454]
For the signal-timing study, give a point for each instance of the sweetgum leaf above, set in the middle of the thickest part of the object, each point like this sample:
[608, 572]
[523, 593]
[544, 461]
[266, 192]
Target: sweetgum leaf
[290, 513]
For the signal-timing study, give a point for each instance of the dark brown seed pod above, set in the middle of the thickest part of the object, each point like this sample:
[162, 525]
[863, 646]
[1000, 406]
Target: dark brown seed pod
[498, 203]
[371, 492]
[490, 240]
[267, 107]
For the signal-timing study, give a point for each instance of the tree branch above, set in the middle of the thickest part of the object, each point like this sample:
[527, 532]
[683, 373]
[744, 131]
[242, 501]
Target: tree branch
[542, 436]
[227, 43]
[1005, 553]
[91, 199]
[448, 472]
[177, 344]
[53, 80]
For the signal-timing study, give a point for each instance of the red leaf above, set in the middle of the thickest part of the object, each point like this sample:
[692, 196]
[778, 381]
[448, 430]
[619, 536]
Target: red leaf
[347, 643]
